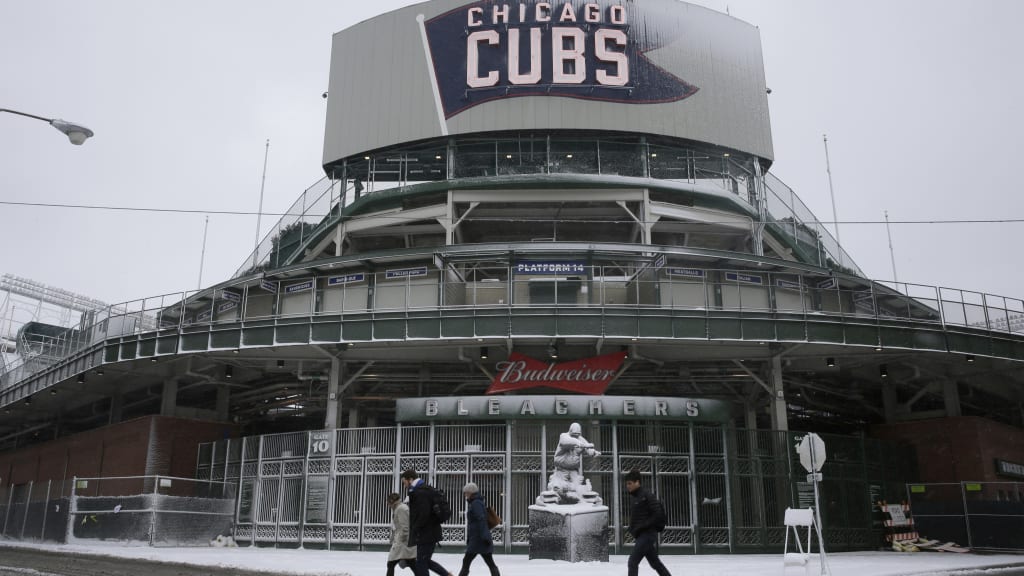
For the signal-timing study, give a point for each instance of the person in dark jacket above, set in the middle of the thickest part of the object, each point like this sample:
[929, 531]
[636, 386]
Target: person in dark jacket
[478, 535]
[643, 525]
[424, 527]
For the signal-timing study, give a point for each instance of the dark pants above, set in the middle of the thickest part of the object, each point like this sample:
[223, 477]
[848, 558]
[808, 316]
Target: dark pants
[646, 547]
[424, 562]
[488, 559]
[411, 564]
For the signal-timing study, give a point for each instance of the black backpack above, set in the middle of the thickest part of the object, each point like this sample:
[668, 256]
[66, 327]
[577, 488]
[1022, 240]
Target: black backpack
[439, 506]
[660, 517]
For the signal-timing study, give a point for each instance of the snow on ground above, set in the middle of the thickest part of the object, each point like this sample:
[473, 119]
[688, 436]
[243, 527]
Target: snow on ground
[340, 563]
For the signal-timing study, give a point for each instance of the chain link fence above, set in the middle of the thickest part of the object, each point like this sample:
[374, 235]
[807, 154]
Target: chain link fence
[35, 511]
[158, 510]
[979, 515]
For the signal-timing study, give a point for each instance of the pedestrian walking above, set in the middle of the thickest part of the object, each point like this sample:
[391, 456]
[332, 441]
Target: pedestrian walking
[646, 519]
[478, 535]
[400, 553]
[424, 524]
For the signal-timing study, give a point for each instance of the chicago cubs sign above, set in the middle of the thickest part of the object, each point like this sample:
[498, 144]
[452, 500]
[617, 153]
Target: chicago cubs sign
[590, 50]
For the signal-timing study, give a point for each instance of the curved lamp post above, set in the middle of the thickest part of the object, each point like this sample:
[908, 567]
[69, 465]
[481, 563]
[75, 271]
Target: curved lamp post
[76, 133]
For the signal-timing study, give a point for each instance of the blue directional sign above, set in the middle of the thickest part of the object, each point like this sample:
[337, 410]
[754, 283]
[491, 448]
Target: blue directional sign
[563, 267]
[743, 278]
[406, 272]
[300, 287]
[688, 272]
[346, 279]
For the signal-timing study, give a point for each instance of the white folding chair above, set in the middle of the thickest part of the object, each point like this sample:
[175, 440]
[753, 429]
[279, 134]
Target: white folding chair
[796, 517]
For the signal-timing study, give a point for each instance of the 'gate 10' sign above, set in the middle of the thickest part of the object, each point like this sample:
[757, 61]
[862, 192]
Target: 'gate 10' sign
[593, 51]
[320, 443]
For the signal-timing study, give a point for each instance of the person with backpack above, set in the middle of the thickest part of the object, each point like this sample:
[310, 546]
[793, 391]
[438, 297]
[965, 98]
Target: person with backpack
[428, 509]
[478, 533]
[646, 519]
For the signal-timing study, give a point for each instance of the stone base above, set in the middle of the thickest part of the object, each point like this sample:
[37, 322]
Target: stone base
[574, 533]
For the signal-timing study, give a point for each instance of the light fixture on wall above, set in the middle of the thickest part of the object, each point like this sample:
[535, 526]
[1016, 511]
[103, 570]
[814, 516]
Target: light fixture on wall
[280, 363]
[883, 371]
[483, 352]
[100, 372]
[152, 358]
[81, 378]
[553, 350]
[830, 362]
[229, 372]
[969, 358]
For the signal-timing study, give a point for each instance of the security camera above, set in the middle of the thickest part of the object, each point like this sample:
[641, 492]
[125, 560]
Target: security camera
[324, 96]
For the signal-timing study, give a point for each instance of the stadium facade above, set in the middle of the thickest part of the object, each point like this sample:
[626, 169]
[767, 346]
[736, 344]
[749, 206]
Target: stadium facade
[534, 213]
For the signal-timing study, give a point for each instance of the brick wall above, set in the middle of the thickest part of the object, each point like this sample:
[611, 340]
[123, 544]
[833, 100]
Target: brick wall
[152, 445]
[957, 449]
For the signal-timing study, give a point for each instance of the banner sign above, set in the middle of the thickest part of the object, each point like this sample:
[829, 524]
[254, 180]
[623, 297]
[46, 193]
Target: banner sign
[347, 279]
[743, 278]
[551, 268]
[474, 408]
[300, 287]
[227, 306]
[405, 272]
[204, 315]
[688, 272]
[659, 262]
[268, 286]
[490, 49]
[587, 376]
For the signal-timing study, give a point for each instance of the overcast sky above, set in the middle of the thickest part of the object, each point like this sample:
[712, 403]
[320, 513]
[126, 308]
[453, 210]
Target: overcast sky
[920, 101]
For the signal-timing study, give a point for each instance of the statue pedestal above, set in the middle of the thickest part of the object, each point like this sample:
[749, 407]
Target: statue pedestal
[570, 532]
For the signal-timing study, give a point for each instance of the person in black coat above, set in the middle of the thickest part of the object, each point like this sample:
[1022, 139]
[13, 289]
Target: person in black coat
[643, 525]
[424, 527]
[478, 535]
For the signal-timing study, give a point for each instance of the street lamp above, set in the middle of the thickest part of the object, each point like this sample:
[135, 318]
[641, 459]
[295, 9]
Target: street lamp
[75, 132]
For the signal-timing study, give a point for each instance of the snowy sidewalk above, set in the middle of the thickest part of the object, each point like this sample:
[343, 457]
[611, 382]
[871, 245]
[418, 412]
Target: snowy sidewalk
[339, 563]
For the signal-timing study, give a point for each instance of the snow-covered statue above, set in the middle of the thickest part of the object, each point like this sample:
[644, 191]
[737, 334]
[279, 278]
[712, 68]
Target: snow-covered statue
[569, 520]
[567, 481]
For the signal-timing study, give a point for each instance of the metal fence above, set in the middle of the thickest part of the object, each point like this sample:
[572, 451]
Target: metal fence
[979, 515]
[35, 511]
[159, 510]
[725, 489]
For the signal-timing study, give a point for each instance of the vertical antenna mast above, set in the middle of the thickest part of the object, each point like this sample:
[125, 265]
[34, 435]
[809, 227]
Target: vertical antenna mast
[259, 212]
[831, 191]
[202, 257]
[892, 258]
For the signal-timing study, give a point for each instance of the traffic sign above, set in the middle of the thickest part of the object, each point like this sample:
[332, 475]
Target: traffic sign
[812, 452]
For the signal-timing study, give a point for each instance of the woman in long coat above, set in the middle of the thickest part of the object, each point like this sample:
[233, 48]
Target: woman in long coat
[400, 550]
[478, 535]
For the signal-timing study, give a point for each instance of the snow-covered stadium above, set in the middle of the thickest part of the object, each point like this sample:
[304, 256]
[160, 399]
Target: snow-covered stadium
[532, 213]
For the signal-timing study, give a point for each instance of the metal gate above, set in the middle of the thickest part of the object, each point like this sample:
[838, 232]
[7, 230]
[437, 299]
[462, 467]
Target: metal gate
[724, 488]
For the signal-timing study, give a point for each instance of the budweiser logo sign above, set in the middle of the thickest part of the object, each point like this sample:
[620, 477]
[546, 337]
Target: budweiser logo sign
[588, 376]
